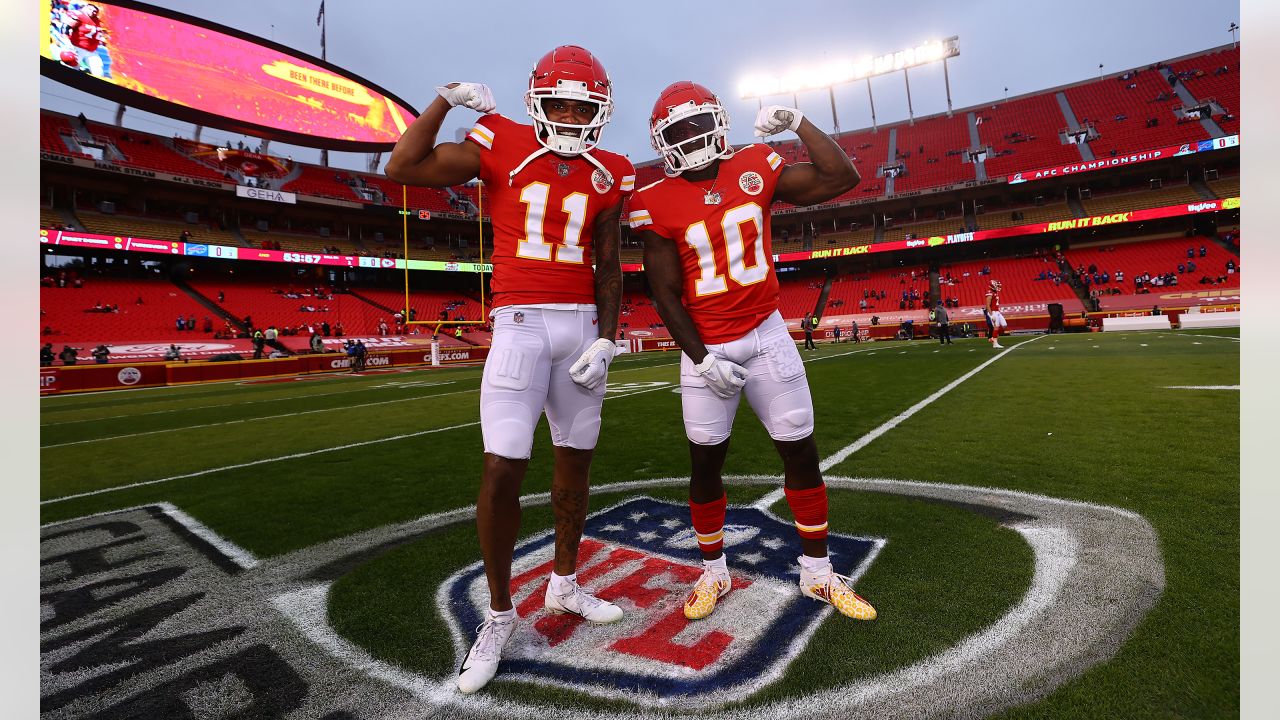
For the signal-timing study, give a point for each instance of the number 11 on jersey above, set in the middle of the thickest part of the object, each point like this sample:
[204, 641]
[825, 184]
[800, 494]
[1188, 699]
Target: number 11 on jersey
[534, 246]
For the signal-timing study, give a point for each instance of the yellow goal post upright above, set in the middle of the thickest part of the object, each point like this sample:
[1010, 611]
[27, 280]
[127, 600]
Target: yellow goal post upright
[437, 324]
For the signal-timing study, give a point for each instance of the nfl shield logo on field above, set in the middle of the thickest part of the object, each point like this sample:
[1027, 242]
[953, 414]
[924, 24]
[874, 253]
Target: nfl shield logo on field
[643, 556]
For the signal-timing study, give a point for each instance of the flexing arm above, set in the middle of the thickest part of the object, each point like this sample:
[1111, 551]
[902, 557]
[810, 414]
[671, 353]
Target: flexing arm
[830, 172]
[666, 281]
[417, 160]
[606, 241]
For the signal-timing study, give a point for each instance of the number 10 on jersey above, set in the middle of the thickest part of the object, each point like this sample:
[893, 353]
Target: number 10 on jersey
[711, 281]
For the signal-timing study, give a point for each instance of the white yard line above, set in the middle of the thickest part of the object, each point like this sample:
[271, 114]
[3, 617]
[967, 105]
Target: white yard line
[1215, 337]
[254, 419]
[222, 405]
[295, 456]
[842, 454]
[1201, 387]
[765, 502]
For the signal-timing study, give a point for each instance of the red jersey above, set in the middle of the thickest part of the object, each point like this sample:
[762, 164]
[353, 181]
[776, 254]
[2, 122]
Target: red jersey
[544, 216]
[726, 250]
[84, 32]
[993, 301]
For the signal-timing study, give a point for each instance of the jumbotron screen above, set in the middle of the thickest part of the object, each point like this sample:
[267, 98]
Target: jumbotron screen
[184, 67]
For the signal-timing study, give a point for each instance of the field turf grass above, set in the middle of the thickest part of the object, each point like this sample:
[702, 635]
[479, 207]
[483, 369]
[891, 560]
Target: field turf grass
[276, 467]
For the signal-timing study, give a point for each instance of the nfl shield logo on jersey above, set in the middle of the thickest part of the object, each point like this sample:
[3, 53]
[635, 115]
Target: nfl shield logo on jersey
[600, 181]
[751, 182]
[643, 556]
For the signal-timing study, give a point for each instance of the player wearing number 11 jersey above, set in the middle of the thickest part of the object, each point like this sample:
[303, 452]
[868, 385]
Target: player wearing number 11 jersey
[709, 260]
[556, 202]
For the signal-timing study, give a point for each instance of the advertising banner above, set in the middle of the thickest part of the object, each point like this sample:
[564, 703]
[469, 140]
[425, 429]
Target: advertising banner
[1106, 163]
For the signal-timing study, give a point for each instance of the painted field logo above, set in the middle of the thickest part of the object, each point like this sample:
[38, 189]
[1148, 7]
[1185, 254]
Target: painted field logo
[642, 555]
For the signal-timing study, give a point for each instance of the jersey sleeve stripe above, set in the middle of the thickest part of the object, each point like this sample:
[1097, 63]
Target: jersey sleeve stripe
[482, 135]
[639, 218]
[774, 160]
[628, 183]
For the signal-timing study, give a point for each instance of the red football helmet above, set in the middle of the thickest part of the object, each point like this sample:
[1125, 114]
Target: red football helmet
[570, 73]
[689, 127]
[996, 286]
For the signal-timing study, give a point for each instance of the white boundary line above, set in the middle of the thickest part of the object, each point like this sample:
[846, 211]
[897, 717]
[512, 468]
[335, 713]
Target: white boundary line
[843, 454]
[1201, 387]
[230, 550]
[295, 456]
[1215, 337]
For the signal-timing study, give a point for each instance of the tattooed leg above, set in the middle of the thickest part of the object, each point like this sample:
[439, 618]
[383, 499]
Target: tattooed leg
[569, 499]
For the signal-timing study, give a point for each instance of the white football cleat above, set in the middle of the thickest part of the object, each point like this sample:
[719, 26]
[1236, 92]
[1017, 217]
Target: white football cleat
[578, 601]
[481, 664]
[995, 345]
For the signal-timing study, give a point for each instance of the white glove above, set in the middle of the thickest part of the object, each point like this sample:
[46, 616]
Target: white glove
[592, 368]
[476, 96]
[776, 118]
[724, 377]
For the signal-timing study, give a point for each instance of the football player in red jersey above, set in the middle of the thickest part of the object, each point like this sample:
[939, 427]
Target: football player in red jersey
[995, 318]
[556, 201]
[85, 31]
[709, 260]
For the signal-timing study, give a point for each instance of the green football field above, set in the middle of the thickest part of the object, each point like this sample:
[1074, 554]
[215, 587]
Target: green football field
[1145, 422]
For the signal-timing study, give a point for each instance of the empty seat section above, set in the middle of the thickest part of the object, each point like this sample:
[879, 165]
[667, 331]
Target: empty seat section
[928, 142]
[1037, 121]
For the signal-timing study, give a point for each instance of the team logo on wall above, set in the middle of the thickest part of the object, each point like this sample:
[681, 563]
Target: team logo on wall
[751, 182]
[600, 181]
[643, 555]
[129, 376]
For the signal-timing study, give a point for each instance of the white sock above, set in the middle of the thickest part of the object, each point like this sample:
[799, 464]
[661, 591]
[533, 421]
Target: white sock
[561, 584]
[502, 614]
[813, 564]
[719, 565]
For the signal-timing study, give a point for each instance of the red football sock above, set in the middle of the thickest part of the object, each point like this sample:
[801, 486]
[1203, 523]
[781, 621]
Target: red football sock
[810, 510]
[708, 523]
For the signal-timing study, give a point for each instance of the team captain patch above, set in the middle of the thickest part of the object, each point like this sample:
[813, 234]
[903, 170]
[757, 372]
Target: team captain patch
[751, 182]
[641, 555]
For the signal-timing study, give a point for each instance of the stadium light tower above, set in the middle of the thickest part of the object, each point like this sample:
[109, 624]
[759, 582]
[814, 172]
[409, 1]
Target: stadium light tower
[826, 77]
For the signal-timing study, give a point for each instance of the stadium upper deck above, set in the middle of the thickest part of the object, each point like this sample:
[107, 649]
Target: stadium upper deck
[1127, 112]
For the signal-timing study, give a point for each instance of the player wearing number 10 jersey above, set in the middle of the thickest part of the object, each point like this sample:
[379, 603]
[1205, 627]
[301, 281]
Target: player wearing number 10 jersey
[556, 203]
[709, 260]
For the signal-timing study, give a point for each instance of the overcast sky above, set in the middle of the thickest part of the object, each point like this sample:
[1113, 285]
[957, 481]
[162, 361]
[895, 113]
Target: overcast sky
[409, 47]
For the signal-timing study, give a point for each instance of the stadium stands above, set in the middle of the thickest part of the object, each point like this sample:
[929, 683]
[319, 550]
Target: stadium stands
[1226, 186]
[798, 297]
[927, 143]
[322, 182]
[1024, 135]
[141, 150]
[1123, 201]
[67, 311]
[846, 296]
[152, 228]
[1016, 274]
[1214, 83]
[1120, 109]
[638, 312]
[1157, 257]
[1028, 215]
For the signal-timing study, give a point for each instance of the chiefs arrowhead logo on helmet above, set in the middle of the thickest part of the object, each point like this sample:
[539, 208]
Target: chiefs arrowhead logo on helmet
[996, 286]
[689, 127]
